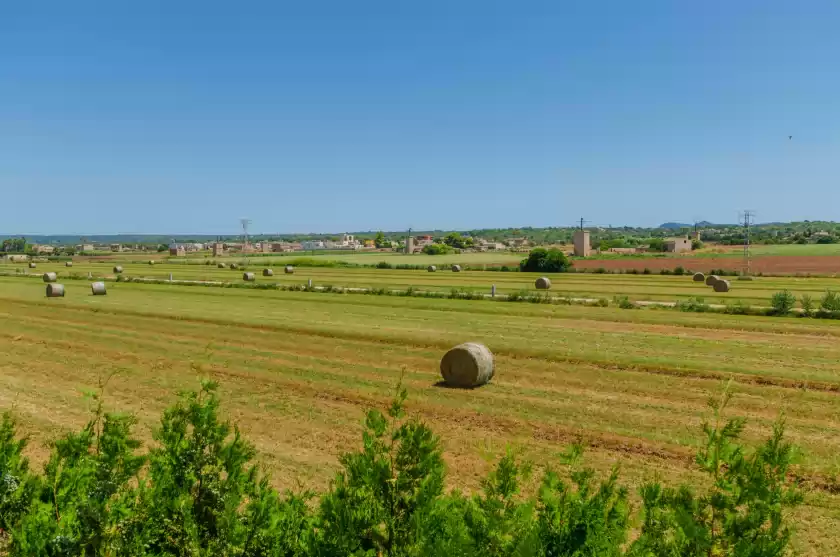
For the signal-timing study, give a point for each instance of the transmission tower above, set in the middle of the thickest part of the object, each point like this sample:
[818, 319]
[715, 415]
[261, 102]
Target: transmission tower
[245, 224]
[747, 220]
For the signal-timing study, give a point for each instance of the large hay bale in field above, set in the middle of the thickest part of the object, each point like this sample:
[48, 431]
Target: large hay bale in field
[98, 288]
[467, 365]
[699, 277]
[55, 291]
[32, 265]
[289, 270]
[151, 262]
[542, 283]
[249, 277]
[711, 280]
[431, 269]
[721, 286]
[456, 268]
[220, 265]
[68, 264]
[118, 270]
[268, 272]
[233, 266]
[50, 277]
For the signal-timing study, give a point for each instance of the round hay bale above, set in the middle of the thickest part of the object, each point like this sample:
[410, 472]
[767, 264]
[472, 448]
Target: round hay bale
[456, 268]
[268, 272]
[220, 265]
[542, 283]
[249, 277]
[68, 264]
[233, 266]
[50, 277]
[32, 265]
[699, 277]
[151, 262]
[721, 286]
[289, 270]
[467, 365]
[55, 291]
[118, 270]
[98, 288]
[431, 269]
[711, 280]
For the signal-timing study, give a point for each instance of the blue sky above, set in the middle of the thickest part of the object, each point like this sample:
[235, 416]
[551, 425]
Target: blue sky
[179, 117]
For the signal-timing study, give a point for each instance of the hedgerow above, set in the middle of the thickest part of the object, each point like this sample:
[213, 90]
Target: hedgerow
[198, 491]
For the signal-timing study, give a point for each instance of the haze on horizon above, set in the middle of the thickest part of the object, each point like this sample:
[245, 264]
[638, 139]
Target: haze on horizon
[329, 117]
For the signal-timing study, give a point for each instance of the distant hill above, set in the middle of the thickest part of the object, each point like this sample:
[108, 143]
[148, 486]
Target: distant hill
[678, 225]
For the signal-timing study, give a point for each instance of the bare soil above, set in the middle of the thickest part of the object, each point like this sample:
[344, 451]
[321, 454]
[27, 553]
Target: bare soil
[771, 264]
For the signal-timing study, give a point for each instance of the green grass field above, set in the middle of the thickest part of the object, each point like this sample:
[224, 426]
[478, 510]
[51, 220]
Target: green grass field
[299, 369]
[636, 287]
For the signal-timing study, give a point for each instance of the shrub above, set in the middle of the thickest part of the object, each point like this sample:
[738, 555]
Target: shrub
[830, 304]
[202, 494]
[647, 271]
[624, 302]
[384, 265]
[437, 249]
[782, 302]
[697, 305]
[807, 304]
[541, 260]
[600, 271]
[738, 308]
[679, 270]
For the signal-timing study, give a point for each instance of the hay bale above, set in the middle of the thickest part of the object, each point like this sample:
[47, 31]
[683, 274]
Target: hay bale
[289, 270]
[98, 288]
[268, 272]
[32, 265]
[542, 283]
[467, 365]
[233, 266]
[699, 277]
[151, 262]
[721, 286]
[68, 264]
[249, 277]
[55, 291]
[456, 268]
[50, 277]
[118, 270]
[220, 265]
[711, 280]
[431, 269]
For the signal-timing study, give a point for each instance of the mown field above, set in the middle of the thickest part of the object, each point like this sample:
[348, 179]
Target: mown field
[299, 369]
[636, 287]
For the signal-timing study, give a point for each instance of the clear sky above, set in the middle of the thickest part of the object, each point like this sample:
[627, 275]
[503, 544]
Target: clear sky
[184, 116]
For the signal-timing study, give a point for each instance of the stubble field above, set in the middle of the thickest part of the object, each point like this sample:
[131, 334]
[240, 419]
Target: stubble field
[299, 369]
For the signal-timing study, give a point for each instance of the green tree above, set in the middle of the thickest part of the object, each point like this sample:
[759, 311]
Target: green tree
[541, 260]
[379, 504]
[379, 240]
[437, 249]
[743, 511]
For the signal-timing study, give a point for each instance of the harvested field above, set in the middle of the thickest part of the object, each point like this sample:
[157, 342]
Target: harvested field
[298, 371]
[780, 265]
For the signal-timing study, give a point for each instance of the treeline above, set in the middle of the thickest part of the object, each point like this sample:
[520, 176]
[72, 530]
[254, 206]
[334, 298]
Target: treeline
[198, 492]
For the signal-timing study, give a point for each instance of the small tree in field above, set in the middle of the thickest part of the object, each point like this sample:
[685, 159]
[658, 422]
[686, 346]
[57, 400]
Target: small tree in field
[782, 302]
[542, 260]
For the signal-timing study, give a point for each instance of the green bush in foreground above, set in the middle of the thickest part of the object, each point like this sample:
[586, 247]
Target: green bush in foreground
[199, 493]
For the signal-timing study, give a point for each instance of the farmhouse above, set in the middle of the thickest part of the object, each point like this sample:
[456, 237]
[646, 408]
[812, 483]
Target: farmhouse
[677, 245]
[42, 249]
[177, 250]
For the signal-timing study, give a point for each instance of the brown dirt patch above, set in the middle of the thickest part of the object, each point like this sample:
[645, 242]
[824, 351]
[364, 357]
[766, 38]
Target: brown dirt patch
[775, 264]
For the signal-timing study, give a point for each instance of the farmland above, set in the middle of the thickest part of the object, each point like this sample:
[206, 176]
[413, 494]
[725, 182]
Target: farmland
[298, 370]
[635, 287]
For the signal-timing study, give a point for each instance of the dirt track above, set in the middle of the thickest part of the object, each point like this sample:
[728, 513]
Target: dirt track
[788, 264]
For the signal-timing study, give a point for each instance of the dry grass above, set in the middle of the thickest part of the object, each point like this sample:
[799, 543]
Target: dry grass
[298, 370]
